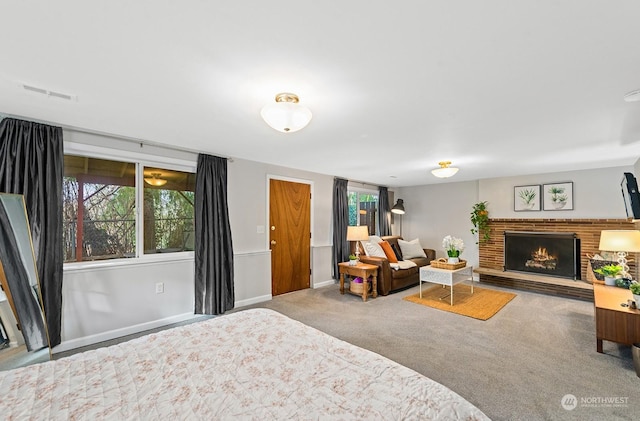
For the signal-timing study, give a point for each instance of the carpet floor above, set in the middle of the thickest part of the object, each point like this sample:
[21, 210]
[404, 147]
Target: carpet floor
[481, 303]
[518, 365]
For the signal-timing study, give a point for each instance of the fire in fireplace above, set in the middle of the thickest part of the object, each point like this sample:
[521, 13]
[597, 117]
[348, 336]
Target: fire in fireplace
[551, 254]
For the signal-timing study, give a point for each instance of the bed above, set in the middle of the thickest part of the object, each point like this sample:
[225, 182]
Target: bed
[252, 364]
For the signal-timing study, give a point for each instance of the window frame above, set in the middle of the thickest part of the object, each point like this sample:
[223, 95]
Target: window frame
[140, 160]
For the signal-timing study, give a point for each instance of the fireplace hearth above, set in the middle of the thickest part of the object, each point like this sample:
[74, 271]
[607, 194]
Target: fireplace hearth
[545, 253]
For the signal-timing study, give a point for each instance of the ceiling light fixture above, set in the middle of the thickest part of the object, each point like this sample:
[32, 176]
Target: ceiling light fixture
[286, 114]
[155, 180]
[633, 96]
[445, 170]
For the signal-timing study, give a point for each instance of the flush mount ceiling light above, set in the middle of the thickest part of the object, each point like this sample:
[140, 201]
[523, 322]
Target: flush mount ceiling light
[633, 96]
[155, 180]
[445, 170]
[286, 114]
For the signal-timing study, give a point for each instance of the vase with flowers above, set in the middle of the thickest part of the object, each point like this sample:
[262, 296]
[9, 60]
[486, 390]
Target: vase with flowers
[453, 246]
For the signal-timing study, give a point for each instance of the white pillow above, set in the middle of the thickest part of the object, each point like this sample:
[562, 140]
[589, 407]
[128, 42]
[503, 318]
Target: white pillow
[373, 249]
[411, 249]
[375, 239]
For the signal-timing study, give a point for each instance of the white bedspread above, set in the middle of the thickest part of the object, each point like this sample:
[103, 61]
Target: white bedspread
[253, 364]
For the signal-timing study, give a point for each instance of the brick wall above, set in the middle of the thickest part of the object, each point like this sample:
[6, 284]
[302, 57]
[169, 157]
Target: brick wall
[587, 230]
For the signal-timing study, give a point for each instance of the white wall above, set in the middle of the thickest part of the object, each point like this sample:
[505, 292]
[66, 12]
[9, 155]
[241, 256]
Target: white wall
[437, 210]
[110, 299]
[596, 194]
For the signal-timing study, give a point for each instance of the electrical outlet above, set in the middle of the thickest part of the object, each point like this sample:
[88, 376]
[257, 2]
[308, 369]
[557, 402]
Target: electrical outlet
[159, 287]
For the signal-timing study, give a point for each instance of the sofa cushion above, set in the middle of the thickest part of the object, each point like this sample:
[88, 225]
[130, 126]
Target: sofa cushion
[373, 249]
[391, 256]
[411, 249]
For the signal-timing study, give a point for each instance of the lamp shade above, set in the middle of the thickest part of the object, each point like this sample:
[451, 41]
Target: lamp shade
[286, 114]
[398, 207]
[445, 170]
[620, 240]
[359, 233]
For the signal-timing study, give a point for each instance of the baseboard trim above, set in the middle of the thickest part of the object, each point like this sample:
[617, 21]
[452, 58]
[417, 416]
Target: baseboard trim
[118, 333]
[324, 283]
[254, 300]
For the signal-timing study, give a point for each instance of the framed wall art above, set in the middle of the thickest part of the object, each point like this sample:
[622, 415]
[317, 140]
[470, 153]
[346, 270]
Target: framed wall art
[526, 198]
[558, 196]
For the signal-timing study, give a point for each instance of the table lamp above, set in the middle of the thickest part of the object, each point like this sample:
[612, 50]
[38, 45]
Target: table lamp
[359, 233]
[621, 242]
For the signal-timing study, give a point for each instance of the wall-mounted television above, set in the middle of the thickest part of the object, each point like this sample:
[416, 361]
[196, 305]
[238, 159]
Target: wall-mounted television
[630, 195]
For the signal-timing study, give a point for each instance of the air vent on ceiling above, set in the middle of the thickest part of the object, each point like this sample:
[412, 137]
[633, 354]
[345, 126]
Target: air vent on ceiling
[48, 93]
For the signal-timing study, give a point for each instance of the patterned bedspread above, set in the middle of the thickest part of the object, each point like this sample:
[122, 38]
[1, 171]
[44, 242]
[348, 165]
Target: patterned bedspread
[253, 364]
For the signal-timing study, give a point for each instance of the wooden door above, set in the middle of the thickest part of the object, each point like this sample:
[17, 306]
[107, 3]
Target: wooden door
[290, 236]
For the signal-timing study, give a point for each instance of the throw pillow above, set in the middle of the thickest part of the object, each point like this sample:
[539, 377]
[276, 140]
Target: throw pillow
[373, 249]
[397, 251]
[391, 256]
[411, 249]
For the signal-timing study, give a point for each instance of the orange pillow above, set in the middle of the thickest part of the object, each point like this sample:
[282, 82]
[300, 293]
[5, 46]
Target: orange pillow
[391, 256]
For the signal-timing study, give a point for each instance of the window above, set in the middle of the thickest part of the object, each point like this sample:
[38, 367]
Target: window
[100, 217]
[168, 210]
[363, 209]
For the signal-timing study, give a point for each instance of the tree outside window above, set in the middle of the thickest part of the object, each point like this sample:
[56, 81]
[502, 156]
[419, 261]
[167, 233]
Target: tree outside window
[363, 210]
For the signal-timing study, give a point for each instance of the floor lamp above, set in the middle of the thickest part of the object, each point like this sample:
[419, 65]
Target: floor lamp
[621, 242]
[398, 209]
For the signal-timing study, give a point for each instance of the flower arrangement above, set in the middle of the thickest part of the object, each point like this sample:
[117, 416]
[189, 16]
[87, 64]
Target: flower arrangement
[453, 246]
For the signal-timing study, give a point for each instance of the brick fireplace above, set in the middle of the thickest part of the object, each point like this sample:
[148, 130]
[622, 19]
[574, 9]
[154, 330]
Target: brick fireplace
[587, 232]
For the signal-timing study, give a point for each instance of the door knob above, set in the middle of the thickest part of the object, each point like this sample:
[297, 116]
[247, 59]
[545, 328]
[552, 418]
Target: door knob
[273, 242]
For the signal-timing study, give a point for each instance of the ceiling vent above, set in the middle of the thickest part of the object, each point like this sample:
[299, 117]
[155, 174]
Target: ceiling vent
[52, 94]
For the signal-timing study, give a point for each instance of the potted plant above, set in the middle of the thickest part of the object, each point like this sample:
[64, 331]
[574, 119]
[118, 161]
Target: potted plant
[453, 246]
[635, 290]
[353, 260]
[610, 272]
[480, 221]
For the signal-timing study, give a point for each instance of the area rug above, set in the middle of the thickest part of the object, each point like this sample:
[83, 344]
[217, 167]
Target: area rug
[482, 304]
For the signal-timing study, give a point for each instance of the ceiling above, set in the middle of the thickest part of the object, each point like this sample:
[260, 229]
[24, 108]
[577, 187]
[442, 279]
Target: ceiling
[498, 87]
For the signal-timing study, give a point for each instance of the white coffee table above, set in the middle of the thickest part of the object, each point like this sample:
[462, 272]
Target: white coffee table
[446, 277]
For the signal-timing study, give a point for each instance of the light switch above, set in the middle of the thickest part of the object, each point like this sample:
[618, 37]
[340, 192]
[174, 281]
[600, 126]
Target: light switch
[260, 229]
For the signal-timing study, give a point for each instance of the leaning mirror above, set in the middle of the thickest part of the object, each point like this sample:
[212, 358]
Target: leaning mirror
[24, 338]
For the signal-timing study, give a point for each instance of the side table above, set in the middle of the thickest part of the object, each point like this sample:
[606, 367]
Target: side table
[362, 270]
[614, 322]
[446, 277]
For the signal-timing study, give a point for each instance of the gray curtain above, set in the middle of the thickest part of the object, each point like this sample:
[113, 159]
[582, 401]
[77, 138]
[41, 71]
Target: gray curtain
[31, 164]
[340, 223]
[384, 215]
[214, 287]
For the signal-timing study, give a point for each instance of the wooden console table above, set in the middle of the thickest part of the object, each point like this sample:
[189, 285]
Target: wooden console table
[362, 270]
[614, 322]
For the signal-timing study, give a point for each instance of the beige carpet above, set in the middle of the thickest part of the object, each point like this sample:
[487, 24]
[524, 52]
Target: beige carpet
[482, 304]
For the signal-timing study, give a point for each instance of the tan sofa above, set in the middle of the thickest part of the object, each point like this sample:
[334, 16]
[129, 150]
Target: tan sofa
[391, 280]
